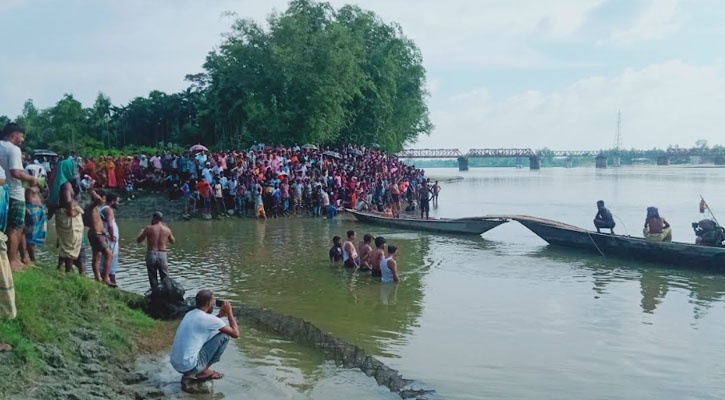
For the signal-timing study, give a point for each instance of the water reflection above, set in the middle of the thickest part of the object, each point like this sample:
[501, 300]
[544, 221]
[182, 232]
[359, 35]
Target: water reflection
[655, 281]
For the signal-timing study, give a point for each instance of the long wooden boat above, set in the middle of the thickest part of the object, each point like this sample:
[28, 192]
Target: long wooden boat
[674, 253]
[471, 226]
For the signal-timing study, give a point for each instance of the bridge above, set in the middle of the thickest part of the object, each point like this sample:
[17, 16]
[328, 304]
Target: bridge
[533, 156]
[718, 155]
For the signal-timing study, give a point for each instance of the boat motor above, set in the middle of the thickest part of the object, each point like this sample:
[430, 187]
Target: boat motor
[709, 233]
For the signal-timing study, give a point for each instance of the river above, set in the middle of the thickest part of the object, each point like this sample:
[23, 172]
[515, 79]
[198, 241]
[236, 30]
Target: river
[500, 316]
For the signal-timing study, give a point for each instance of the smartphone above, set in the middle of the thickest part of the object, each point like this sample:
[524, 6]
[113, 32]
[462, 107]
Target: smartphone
[219, 302]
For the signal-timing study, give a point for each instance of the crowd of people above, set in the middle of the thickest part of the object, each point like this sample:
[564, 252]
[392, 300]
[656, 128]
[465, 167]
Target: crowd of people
[262, 181]
[270, 181]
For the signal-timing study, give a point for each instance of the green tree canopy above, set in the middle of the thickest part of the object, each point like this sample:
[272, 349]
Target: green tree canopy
[318, 75]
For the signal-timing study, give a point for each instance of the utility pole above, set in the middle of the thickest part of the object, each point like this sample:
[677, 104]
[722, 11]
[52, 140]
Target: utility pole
[618, 141]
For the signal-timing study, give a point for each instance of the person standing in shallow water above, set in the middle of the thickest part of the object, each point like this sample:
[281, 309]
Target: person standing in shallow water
[157, 235]
[377, 256]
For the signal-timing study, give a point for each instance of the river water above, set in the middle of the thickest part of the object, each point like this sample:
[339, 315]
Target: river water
[497, 316]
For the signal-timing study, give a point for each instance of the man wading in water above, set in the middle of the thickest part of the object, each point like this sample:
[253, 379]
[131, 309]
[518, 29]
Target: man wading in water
[377, 255]
[349, 253]
[157, 236]
[365, 249]
[202, 338]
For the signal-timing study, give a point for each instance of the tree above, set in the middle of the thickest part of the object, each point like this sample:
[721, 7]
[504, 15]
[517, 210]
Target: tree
[317, 75]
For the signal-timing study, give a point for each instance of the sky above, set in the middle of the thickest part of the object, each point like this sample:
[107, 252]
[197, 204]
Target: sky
[501, 74]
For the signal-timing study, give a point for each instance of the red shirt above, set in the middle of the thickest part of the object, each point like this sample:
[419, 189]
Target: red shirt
[204, 188]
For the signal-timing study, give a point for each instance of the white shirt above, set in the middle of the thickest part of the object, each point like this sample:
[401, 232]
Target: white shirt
[2, 173]
[325, 199]
[12, 158]
[195, 329]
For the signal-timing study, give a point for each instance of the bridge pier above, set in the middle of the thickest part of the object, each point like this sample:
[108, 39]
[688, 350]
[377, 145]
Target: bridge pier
[534, 162]
[719, 160]
[463, 163]
[663, 160]
[600, 161]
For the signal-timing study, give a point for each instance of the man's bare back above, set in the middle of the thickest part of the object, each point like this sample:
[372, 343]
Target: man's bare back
[365, 250]
[157, 236]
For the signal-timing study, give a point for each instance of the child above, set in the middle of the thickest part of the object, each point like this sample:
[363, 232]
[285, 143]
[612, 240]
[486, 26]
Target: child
[336, 250]
[130, 182]
[36, 222]
[186, 190]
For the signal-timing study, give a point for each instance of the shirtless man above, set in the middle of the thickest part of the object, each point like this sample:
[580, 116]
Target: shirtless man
[349, 253]
[377, 255]
[394, 199]
[157, 236]
[97, 239]
[656, 228]
[436, 191]
[364, 250]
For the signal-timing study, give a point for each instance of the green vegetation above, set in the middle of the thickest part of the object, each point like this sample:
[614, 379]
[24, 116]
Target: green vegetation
[52, 306]
[316, 74]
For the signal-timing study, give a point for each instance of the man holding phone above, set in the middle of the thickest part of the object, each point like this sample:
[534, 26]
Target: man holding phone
[202, 338]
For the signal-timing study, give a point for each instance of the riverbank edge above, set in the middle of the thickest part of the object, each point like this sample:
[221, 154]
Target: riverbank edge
[76, 338]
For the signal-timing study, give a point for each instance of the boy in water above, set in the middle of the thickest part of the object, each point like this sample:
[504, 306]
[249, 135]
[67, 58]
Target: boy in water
[36, 222]
[389, 267]
[336, 250]
[364, 250]
[377, 256]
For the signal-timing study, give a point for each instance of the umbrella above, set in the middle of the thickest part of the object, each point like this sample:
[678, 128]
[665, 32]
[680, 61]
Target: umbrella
[46, 153]
[332, 154]
[310, 146]
[356, 152]
[198, 147]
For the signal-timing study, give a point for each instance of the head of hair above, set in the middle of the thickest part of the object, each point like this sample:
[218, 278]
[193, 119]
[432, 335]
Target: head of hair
[350, 234]
[600, 203]
[392, 249]
[653, 212]
[203, 297]
[157, 216]
[367, 238]
[111, 197]
[335, 239]
[379, 241]
[10, 128]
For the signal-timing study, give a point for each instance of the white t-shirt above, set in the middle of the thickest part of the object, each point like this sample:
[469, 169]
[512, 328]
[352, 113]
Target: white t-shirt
[2, 173]
[195, 329]
[12, 158]
[36, 170]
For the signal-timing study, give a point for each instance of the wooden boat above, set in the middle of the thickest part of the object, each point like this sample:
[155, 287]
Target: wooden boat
[472, 225]
[674, 253]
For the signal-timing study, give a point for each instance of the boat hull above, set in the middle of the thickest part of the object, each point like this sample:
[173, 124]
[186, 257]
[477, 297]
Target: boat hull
[469, 226]
[674, 253]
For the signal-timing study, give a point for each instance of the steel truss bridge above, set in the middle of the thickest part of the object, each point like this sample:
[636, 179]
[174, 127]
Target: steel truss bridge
[493, 153]
[535, 157]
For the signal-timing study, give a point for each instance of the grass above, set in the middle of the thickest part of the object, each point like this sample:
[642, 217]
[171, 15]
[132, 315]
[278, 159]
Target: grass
[52, 305]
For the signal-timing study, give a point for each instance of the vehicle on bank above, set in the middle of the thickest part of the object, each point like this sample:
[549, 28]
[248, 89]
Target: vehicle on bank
[470, 225]
[674, 253]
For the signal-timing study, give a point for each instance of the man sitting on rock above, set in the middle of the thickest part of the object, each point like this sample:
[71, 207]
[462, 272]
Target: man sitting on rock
[202, 338]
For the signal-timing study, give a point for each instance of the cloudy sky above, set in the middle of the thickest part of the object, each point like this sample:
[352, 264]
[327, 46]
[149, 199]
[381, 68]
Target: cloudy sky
[536, 73]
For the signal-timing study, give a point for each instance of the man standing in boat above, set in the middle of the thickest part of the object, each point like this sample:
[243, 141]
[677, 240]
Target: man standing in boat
[656, 228]
[603, 219]
[424, 199]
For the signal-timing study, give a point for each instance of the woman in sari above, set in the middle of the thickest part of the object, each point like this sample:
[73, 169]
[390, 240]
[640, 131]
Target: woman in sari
[110, 167]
